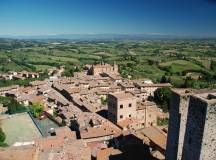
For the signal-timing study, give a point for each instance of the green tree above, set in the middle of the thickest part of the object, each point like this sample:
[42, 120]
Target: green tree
[162, 122]
[163, 79]
[5, 101]
[12, 105]
[213, 66]
[15, 107]
[55, 114]
[2, 139]
[70, 69]
[2, 136]
[36, 109]
[103, 100]
[66, 73]
[162, 98]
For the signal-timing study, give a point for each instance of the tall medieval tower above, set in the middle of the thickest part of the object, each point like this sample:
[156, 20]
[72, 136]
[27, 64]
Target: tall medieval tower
[115, 67]
[192, 126]
[177, 123]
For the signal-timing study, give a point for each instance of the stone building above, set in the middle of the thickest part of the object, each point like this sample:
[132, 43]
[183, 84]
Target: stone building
[150, 87]
[147, 113]
[128, 113]
[192, 125]
[121, 105]
[103, 67]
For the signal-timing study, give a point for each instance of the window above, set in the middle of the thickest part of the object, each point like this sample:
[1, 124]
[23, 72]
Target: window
[121, 116]
[121, 106]
[130, 105]
[129, 115]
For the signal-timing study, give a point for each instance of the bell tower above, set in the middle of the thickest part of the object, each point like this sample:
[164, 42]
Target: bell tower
[115, 67]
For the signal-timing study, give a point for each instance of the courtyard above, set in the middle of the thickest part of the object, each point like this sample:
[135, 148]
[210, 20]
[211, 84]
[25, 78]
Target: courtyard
[19, 128]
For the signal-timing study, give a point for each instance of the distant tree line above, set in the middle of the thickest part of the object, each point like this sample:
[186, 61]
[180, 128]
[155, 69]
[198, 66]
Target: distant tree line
[54, 64]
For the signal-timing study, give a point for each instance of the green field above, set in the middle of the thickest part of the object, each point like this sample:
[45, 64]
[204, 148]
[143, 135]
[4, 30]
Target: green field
[136, 59]
[178, 66]
[42, 67]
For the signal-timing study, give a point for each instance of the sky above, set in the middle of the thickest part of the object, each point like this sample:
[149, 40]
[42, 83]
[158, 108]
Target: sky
[162, 17]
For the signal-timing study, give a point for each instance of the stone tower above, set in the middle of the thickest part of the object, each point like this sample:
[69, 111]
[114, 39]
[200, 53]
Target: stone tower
[177, 123]
[192, 126]
[200, 135]
[115, 67]
[121, 106]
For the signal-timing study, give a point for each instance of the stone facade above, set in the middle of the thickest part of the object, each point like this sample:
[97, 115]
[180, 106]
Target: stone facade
[126, 112]
[192, 127]
[121, 108]
[177, 124]
[200, 141]
[103, 67]
[147, 116]
[209, 142]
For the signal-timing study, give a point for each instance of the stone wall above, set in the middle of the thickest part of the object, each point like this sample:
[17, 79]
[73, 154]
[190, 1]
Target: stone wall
[184, 105]
[177, 124]
[128, 110]
[112, 108]
[173, 129]
[208, 151]
[200, 137]
[194, 129]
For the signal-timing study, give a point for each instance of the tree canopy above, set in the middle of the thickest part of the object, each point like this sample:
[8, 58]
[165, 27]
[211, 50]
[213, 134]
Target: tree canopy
[213, 66]
[69, 70]
[36, 109]
[162, 98]
[12, 105]
[2, 136]
[103, 100]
